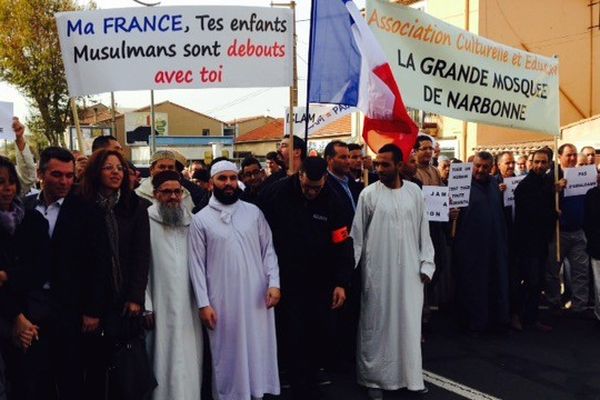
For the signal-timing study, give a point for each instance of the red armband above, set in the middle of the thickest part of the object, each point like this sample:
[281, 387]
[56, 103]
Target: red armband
[340, 235]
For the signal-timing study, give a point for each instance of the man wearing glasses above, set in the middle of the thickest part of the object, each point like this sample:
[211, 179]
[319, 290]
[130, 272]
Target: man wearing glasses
[163, 160]
[177, 331]
[316, 261]
[253, 176]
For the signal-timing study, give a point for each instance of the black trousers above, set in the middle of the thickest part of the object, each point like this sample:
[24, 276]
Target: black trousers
[52, 368]
[306, 321]
[532, 271]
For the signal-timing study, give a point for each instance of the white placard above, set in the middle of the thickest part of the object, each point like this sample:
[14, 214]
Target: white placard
[449, 71]
[183, 47]
[459, 184]
[137, 119]
[580, 180]
[6, 116]
[319, 117]
[511, 186]
[436, 202]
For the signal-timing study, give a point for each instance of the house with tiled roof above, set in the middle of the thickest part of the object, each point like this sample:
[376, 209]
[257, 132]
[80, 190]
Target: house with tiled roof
[244, 125]
[262, 140]
[258, 142]
[190, 132]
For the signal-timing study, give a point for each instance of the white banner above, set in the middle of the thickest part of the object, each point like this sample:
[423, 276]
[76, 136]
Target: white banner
[449, 71]
[580, 180]
[176, 48]
[6, 117]
[511, 186]
[459, 184]
[436, 202]
[319, 117]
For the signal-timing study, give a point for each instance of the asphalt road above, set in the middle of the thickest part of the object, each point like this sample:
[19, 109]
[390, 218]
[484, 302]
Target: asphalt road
[528, 365]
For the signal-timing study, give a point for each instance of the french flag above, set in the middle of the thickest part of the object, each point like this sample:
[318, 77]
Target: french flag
[347, 66]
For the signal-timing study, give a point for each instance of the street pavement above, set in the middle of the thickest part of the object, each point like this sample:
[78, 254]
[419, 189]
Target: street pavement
[560, 365]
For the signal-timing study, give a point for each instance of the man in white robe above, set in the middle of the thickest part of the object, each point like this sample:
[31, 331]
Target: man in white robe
[235, 276]
[175, 346]
[391, 237]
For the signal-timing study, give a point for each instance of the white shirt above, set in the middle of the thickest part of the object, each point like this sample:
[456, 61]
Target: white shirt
[50, 212]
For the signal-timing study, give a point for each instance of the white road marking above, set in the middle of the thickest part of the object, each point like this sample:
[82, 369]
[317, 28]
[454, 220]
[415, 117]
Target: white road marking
[455, 387]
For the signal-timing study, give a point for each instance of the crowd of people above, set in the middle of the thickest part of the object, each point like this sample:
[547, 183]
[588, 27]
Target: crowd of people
[230, 282]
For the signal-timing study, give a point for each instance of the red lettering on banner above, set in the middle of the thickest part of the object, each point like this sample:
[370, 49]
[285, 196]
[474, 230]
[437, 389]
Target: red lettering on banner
[178, 76]
[211, 76]
[251, 49]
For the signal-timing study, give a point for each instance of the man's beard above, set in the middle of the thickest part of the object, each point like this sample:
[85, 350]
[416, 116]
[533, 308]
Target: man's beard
[171, 215]
[224, 197]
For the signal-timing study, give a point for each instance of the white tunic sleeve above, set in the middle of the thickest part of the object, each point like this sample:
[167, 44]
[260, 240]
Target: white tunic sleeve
[26, 169]
[426, 245]
[148, 305]
[360, 226]
[269, 257]
[197, 262]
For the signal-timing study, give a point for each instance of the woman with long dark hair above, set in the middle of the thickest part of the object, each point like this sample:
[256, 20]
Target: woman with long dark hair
[106, 184]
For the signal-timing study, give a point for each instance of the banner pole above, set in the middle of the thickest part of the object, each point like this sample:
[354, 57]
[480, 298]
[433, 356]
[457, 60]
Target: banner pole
[80, 143]
[113, 123]
[310, 46]
[557, 200]
[152, 124]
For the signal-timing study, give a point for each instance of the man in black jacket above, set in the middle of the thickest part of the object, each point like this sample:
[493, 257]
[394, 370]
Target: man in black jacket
[347, 190]
[591, 226]
[69, 303]
[315, 262]
[535, 218]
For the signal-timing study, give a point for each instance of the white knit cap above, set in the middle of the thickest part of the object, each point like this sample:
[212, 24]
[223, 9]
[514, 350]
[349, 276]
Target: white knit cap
[223, 166]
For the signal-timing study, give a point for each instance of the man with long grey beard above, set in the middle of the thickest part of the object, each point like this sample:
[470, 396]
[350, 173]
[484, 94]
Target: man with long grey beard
[170, 305]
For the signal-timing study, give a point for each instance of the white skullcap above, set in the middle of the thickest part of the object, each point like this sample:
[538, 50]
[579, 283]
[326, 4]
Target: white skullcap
[223, 166]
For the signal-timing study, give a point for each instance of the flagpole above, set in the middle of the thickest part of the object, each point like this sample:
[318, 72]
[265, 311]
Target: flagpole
[310, 45]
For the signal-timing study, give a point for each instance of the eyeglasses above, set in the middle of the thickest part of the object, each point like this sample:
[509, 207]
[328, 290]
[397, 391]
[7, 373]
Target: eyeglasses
[252, 174]
[110, 168]
[171, 192]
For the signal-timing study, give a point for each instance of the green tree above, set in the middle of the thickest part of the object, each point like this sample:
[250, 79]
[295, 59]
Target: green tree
[30, 60]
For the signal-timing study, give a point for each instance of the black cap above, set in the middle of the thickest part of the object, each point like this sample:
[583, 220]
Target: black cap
[165, 176]
[314, 168]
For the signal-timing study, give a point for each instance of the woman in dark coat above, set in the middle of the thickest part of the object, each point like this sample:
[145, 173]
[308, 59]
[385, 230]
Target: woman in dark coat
[106, 184]
[23, 244]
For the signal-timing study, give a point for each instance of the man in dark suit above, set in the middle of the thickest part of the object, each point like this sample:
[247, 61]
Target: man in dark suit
[70, 302]
[346, 189]
[339, 179]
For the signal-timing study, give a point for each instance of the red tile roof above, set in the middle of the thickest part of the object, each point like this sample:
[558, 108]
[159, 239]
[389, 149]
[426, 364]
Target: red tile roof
[273, 131]
[340, 127]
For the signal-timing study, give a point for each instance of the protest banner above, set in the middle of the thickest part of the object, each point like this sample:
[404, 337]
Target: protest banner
[511, 186]
[459, 184]
[6, 116]
[580, 180]
[319, 117]
[180, 47]
[436, 203]
[452, 72]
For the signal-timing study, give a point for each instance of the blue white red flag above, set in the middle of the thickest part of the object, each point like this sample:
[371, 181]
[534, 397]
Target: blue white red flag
[348, 66]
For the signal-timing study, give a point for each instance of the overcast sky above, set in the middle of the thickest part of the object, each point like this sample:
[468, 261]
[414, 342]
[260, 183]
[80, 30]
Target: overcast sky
[225, 104]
